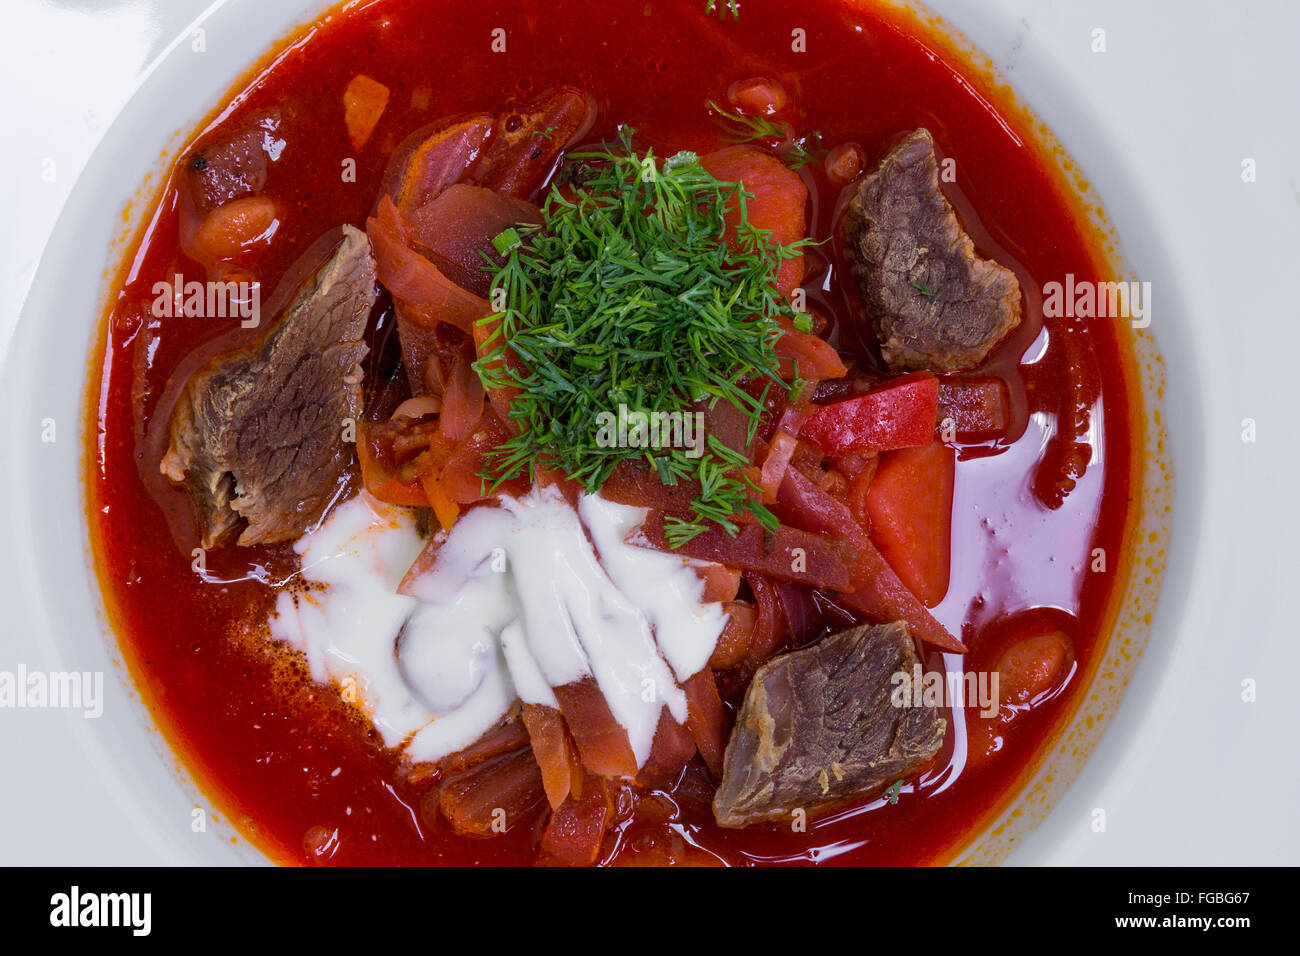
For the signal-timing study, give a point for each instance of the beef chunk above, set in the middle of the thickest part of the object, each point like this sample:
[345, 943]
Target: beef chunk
[934, 303]
[258, 433]
[818, 728]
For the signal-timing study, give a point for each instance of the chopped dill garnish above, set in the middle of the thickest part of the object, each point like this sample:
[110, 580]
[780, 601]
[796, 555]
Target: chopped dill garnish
[737, 127]
[629, 295]
[892, 791]
[923, 289]
[723, 7]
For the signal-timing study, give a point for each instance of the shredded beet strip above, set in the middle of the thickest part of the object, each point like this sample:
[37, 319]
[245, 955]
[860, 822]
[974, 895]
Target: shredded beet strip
[788, 553]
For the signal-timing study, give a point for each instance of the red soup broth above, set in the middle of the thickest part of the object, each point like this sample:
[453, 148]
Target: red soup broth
[289, 763]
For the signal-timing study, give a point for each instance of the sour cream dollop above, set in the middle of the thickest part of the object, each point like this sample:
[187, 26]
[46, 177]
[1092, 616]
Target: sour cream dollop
[523, 597]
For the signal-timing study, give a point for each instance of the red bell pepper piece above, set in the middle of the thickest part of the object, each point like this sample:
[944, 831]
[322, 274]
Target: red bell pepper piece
[900, 414]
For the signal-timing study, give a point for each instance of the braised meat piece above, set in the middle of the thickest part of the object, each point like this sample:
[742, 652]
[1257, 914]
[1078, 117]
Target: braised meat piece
[258, 433]
[818, 728]
[934, 303]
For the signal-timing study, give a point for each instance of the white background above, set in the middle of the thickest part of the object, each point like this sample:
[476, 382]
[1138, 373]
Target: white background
[1189, 89]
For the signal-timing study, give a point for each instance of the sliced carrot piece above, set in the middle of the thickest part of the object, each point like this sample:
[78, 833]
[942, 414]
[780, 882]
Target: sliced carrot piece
[446, 510]
[778, 203]
[364, 101]
[706, 719]
[721, 583]
[733, 643]
[910, 506]
[602, 741]
[379, 476]
[487, 340]
[556, 753]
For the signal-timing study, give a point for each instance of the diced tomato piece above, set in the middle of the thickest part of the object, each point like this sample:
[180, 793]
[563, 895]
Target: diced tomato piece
[778, 203]
[556, 753]
[910, 504]
[364, 101]
[576, 830]
[706, 719]
[512, 783]
[758, 96]
[226, 165]
[788, 553]
[882, 597]
[843, 164]
[602, 740]
[900, 414]
[977, 408]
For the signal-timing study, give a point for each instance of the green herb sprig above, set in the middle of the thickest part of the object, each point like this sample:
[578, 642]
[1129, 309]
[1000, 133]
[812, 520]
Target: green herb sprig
[737, 127]
[722, 8]
[629, 294]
